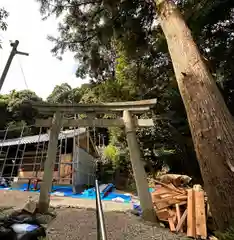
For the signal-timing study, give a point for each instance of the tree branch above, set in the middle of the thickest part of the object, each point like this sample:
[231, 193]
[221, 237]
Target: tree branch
[74, 5]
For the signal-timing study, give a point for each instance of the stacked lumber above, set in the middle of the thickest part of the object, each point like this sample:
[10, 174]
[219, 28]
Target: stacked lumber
[183, 209]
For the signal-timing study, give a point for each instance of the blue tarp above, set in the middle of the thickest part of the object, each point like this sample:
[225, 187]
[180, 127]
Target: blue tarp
[87, 194]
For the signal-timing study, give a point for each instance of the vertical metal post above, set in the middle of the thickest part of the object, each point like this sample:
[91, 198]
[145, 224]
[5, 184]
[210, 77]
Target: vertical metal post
[101, 230]
[42, 157]
[35, 158]
[97, 218]
[5, 136]
[18, 148]
[22, 156]
[60, 156]
[5, 160]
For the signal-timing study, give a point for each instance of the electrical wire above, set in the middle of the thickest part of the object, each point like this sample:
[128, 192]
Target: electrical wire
[22, 71]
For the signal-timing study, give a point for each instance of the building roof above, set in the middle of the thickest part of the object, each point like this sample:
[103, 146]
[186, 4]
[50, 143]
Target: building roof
[41, 138]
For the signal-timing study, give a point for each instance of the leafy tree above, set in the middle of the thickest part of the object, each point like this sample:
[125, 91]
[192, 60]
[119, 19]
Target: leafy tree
[16, 114]
[3, 16]
[106, 36]
[17, 107]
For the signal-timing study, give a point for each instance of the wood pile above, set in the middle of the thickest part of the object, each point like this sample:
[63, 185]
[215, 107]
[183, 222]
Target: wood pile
[183, 208]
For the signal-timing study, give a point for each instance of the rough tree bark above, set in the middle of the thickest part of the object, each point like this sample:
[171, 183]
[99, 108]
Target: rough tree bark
[210, 122]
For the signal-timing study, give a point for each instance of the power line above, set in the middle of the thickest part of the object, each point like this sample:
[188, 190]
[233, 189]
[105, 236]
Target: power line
[14, 52]
[22, 71]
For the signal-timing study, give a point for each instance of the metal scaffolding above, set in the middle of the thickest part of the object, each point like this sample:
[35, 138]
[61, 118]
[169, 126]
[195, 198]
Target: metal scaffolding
[23, 157]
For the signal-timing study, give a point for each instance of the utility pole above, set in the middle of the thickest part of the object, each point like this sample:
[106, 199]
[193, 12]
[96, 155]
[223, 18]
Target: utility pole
[14, 51]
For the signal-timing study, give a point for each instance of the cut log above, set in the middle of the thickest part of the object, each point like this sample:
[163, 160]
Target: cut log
[201, 229]
[191, 230]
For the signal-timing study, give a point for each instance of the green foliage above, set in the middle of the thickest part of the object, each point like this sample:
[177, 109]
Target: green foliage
[15, 114]
[122, 49]
[112, 153]
[228, 235]
[64, 94]
[3, 16]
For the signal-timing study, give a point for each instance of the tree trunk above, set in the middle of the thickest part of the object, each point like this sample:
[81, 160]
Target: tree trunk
[210, 122]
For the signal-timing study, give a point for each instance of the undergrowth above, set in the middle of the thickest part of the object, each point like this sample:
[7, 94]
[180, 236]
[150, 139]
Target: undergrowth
[227, 235]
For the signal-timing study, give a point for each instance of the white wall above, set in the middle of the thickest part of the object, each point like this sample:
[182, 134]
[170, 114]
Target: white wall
[84, 164]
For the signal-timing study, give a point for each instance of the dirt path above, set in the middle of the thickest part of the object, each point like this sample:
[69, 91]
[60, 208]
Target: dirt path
[17, 199]
[77, 224]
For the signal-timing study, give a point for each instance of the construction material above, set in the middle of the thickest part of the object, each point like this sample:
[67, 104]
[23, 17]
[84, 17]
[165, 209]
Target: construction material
[183, 208]
[191, 230]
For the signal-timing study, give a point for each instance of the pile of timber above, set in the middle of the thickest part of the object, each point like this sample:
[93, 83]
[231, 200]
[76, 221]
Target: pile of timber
[183, 208]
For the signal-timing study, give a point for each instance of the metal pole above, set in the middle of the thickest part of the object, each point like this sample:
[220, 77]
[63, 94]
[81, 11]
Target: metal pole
[8, 64]
[97, 217]
[100, 211]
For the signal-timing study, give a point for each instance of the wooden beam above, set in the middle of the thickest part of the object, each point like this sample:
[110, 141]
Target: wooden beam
[191, 219]
[133, 106]
[105, 123]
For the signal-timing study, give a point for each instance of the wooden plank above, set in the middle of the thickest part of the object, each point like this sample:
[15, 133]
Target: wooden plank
[169, 186]
[170, 199]
[65, 169]
[161, 191]
[181, 197]
[182, 221]
[95, 122]
[164, 204]
[171, 224]
[191, 230]
[178, 214]
[201, 229]
[169, 195]
[182, 203]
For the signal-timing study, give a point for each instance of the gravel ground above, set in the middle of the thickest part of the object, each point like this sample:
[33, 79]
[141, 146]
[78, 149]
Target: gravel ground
[75, 224]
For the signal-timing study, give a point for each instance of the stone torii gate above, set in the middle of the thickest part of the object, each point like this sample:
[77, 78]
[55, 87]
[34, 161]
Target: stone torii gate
[129, 121]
